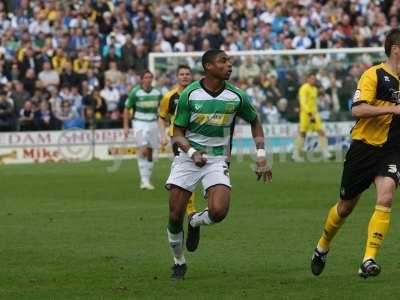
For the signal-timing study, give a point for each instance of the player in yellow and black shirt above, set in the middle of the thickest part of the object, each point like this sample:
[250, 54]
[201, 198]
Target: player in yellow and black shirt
[373, 157]
[167, 115]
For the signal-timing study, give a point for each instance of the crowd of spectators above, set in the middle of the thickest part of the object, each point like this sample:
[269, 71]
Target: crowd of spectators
[71, 63]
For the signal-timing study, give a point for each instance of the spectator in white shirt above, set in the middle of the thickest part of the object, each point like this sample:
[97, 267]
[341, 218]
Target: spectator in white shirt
[301, 41]
[111, 95]
[40, 24]
[76, 102]
[118, 35]
[180, 46]
[48, 77]
[270, 112]
[3, 77]
[165, 46]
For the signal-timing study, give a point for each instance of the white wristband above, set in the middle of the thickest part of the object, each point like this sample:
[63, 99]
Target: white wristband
[191, 151]
[260, 153]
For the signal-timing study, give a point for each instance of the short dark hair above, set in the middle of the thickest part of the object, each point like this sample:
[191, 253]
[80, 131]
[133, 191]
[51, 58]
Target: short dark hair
[145, 72]
[392, 38]
[180, 67]
[209, 56]
[311, 73]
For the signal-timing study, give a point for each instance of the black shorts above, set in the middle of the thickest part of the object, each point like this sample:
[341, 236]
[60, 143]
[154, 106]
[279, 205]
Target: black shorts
[363, 163]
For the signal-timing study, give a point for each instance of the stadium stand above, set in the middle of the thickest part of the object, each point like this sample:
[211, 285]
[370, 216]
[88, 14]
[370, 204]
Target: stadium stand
[71, 63]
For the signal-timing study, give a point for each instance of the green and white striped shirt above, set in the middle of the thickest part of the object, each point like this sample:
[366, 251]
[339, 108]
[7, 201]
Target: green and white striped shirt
[145, 104]
[209, 118]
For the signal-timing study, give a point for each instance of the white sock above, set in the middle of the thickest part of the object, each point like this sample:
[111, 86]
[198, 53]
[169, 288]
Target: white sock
[201, 218]
[148, 169]
[176, 244]
[142, 169]
[321, 250]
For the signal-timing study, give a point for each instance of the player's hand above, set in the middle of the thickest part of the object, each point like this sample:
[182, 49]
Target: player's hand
[263, 170]
[126, 132]
[199, 159]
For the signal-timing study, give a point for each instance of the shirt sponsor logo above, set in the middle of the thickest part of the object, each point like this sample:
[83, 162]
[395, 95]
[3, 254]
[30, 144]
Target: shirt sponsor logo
[213, 119]
[147, 104]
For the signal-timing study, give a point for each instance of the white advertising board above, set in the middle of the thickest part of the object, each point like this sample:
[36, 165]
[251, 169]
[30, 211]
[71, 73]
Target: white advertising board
[84, 145]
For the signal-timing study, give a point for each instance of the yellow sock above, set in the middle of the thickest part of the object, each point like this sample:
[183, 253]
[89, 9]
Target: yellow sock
[332, 224]
[191, 207]
[377, 228]
[323, 143]
[299, 144]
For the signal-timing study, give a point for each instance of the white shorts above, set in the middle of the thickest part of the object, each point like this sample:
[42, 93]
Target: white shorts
[185, 174]
[146, 134]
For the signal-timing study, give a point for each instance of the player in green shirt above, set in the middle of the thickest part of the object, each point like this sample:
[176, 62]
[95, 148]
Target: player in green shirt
[144, 99]
[204, 123]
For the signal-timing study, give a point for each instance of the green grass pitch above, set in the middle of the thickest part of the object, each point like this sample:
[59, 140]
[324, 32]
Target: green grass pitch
[79, 231]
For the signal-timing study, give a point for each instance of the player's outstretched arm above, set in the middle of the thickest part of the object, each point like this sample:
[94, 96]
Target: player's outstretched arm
[180, 139]
[262, 168]
[365, 110]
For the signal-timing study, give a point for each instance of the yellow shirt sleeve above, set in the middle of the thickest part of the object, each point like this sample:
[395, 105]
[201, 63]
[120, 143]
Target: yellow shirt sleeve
[307, 103]
[366, 88]
[164, 105]
[77, 65]
[55, 62]
[21, 54]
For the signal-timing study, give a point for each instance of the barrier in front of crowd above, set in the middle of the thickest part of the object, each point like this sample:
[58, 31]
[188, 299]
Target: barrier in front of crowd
[161, 61]
[111, 144]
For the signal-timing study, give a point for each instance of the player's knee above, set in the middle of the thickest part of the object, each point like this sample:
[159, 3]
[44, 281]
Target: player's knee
[175, 216]
[218, 214]
[386, 188]
[345, 207]
[385, 199]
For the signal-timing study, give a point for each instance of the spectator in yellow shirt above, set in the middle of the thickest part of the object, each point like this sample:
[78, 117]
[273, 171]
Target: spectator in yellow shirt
[81, 63]
[59, 60]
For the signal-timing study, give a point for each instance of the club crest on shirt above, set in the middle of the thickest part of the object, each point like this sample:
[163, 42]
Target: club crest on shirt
[356, 96]
[229, 108]
[197, 107]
